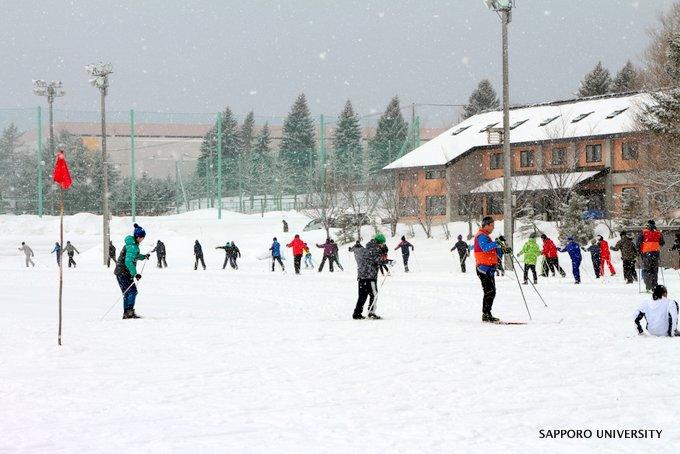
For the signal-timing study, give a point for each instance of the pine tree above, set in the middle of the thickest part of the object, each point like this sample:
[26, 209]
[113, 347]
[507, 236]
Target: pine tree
[247, 132]
[231, 143]
[596, 82]
[573, 223]
[348, 160]
[11, 162]
[389, 138]
[627, 79]
[482, 98]
[298, 152]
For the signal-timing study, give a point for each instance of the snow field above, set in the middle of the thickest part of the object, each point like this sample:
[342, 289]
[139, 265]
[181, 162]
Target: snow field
[254, 361]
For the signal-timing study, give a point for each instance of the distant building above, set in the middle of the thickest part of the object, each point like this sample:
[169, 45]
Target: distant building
[589, 145]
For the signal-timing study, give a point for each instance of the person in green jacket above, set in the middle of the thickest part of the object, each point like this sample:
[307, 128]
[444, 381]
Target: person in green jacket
[531, 252]
[126, 270]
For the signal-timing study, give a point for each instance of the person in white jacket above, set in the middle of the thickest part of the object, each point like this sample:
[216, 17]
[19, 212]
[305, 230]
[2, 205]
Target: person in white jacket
[661, 314]
[28, 252]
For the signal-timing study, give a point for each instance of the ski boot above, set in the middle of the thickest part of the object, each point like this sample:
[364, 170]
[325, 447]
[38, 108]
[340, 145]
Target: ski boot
[374, 316]
[358, 317]
[487, 317]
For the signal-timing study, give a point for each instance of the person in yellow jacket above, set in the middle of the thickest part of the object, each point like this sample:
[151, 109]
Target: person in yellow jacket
[308, 256]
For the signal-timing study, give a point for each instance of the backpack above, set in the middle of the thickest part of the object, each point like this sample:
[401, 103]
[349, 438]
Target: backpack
[121, 269]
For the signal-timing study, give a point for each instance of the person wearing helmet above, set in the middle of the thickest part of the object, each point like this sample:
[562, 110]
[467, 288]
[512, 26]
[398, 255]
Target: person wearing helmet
[661, 314]
[368, 261]
[126, 270]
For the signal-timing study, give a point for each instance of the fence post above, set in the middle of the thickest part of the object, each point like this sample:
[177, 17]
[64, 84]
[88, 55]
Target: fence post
[133, 173]
[40, 164]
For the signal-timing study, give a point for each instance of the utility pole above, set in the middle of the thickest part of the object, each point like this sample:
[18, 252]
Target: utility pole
[504, 9]
[50, 90]
[100, 79]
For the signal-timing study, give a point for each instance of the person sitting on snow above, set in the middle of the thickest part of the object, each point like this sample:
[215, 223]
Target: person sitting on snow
[661, 314]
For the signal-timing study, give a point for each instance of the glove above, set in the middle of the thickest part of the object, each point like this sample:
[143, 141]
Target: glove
[138, 276]
[147, 257]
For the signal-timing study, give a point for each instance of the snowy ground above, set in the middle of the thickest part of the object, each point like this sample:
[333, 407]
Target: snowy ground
[254, 361]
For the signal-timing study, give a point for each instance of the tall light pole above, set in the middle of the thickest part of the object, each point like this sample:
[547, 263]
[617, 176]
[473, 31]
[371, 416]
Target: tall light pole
[50, 90]
[99, 78]
[504, 9]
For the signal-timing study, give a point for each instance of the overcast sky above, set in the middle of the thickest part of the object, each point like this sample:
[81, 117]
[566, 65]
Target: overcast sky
[198, 56]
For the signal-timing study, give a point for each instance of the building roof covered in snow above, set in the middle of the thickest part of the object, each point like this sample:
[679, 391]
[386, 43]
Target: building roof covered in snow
[537, 182]
[585, 117]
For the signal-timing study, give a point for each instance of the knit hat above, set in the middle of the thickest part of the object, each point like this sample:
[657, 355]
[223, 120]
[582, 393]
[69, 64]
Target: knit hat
[544, 236]
[651, 224]
[460, 237]
[380, 238]
[139, 232]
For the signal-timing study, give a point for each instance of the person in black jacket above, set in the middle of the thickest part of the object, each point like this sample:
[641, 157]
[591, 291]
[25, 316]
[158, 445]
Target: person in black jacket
[594, 250]
[198, 253]
[368, 260]
[406, 249]
[112, 254]
[463, 251]
[231, 253]
[160, 254]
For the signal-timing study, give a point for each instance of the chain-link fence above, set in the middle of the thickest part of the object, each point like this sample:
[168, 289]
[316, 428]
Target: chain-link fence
[160, 163]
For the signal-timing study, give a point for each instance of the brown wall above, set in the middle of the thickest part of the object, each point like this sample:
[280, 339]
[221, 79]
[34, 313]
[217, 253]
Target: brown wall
[419, 187]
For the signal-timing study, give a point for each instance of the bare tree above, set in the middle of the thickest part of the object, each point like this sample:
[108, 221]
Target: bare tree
[390, 200]
[655, 57]
[361, 200]
[323, 202]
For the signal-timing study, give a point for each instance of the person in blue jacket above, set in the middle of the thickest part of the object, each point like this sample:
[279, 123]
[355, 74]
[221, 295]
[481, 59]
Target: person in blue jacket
[574, 251]
[57, 249]
[276, 254]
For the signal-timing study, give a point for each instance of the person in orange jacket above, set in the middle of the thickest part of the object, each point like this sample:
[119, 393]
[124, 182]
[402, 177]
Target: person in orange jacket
[298, 249]
[649, 243]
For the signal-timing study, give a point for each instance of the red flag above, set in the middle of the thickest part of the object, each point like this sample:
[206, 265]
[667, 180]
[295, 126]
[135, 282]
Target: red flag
[61, 174]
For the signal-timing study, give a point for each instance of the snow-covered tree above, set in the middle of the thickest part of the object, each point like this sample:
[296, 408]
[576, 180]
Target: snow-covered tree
[389, 138]
[482, 98]
[261, 162]
[630, 210]
[347, 162]
[298, 144]
[231, 142]
[573, 222]
[655, 57]
[596, 82]
[247, 132]
[659, 172]
[627, 79]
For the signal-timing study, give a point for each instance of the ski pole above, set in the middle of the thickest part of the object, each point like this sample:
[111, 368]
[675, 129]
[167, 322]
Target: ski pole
[532, 284]
[121, 296]
[514, 270]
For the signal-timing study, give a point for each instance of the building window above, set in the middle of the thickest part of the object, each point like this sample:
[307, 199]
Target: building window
[436, 205]
[409, 206]
[435, 174]
[629, 151]
[593, 153]
[559, 156]
[526, 158]
[496, 161]
[407, 176]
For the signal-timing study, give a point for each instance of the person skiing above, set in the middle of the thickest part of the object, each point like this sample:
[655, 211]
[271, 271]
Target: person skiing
[198, 254]
[327, 254]
[308, 257]
[486, 259]
[500, 269]
[126, 270]
[70, 250]
[57, 249]
[531, 252]
[406, 249]
[549, 251]
[628, 256]
[234, 253]
[285, 226]
[594, 250]
[661, 314]
[605, 256]
[160, 254]
[574, 251]
[463, 251]
[368, 260]
[28, 252]
[335, 258]
[649, 243]
[112, 255]
[298, 245]
[276, 254]
[384, 261]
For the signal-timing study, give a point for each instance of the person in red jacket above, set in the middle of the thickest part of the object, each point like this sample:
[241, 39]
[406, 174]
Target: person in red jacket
[550, 253]
[298, 248]
[605, 256]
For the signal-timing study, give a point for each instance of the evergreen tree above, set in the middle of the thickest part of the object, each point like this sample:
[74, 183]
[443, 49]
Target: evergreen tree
[247, 132]
[596, 82]
[573, 223]
[12, 186]
[627, 79]
[389, 138]
[231, 143]
[348, 160]
[631, 211]
[297, 144]
[482, 98]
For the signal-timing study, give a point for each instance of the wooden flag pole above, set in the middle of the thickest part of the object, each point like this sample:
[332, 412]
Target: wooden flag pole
[61, 258]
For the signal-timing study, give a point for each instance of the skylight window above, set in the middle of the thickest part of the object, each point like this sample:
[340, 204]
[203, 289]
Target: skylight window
[615, 113]
[580, 117]
[487, 127]
[459, 130]
[519, 123]
[549, 120]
